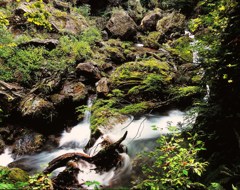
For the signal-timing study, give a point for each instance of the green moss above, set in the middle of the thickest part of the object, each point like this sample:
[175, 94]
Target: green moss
[181, 48]
[135, 109]
[17, 174]
[186, 91]
[151, 40]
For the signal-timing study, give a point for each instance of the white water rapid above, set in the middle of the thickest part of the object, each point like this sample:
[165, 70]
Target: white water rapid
[141, 135]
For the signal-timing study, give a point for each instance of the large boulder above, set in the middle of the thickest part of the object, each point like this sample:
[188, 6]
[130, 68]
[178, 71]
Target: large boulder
[35, 107]
[122, 25]
[149, 21]
[74, 90]
[88, 70]
[173, 22]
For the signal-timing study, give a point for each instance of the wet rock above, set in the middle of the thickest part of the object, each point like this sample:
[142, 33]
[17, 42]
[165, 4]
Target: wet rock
[149, 22]
[36, 107]
[47, 43]
[171, 23]
[76, 91]
[89, 70]
[102, 86]
[58, 99]
[122, 25]
[28, 143]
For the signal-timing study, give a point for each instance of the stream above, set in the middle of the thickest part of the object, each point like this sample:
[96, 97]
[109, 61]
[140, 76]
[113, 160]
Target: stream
[142, 133]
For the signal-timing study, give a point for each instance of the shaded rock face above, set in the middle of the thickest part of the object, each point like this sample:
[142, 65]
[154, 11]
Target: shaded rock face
[149, 22]
[29, 142]
[89, 71]
[122, 25]
[102, 87]
[37, 108]
[173, 22]
[47, 43]
[10, 94]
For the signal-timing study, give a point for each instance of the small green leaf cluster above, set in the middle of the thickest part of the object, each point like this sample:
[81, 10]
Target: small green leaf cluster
[175, 163]
[39, 182]
[93, 184]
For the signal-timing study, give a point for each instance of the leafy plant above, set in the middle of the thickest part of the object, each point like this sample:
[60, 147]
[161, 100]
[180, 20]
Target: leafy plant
[174, 163]
[40, 182]
[38, 15]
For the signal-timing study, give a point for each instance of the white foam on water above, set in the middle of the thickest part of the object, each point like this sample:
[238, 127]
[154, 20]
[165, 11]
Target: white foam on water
[6, 157]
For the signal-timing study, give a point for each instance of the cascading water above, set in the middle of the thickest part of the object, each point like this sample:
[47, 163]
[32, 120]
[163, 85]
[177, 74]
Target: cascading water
[6, 157]
[193, 44]
[141, 135]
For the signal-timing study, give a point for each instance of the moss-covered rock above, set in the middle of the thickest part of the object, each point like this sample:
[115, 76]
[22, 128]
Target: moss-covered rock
[181, 48]
[144, 79]
[151, 40]
[17, 174]
[35, 107]
[170, 24]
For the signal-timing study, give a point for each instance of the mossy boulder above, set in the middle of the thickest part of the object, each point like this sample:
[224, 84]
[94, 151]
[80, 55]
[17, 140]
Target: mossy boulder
[151, 40]
[181, 48]
[12, 175]
[143, 80]
[117, 51]
[35, 107]
[171, 23]
[135, 10]
[122, 25]
[17, 174]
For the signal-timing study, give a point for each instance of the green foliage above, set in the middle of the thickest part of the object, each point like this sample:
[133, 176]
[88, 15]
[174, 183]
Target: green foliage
[186, 91]
[91, 35]
[84, 10]
[38, 15]
[39, 182]
[3, 20]
[174, 163]
[80, 110]
[181, 47]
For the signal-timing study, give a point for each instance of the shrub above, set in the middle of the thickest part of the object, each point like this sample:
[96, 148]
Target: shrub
[174, 163]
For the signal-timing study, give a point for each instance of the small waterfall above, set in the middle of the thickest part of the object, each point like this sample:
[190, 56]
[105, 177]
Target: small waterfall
[6, 157]
[79, 135]
[193, 44]
[206, 97]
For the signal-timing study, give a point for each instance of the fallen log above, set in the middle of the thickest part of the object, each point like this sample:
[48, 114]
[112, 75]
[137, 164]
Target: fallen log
[105, 159]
